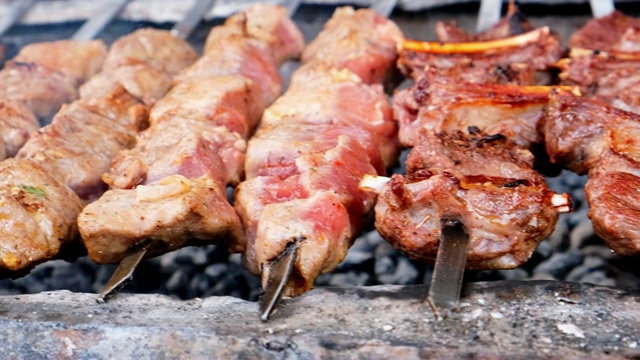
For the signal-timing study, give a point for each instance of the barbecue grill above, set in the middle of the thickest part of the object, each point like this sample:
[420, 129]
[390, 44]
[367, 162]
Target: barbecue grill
[574, 298]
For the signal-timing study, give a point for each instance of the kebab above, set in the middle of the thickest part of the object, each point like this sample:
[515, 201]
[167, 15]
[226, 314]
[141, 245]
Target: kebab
[593, 138]
[45, 187]
[171, 187]
[606, 67]
[300, 204]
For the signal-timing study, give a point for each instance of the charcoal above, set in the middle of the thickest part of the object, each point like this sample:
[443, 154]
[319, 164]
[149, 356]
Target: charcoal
[559, 240]
[598, 278]
[178, 281]
[515, 274]
[578, 216]
[559, 264]
[590, 264]
[350, 278]
[404, 272]
[582, 234]
[215, 272]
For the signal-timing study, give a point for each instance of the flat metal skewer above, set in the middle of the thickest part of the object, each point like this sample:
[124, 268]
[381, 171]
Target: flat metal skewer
[600, 8]
[92, 27]
[184, 27]
[124, 272]
[446, 282]
[16, 11]
[279, 273]
[488, 14]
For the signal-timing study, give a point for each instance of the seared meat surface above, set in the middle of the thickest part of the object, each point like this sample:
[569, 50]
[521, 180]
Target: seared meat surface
[171, 187]
[486, 183]
[611, 32]
[62, 163]
[331, 127]
[590, 137]
[435, 104]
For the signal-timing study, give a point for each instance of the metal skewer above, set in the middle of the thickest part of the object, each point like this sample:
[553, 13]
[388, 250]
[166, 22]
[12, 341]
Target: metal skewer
[488, 14]
[124, 272]
[92, 27]
[17, 9]
[185, 27]
[600, 8]
[446, 282]
[280, 269]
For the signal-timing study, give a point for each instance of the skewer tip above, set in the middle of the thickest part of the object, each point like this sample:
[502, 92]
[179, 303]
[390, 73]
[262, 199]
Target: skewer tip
[279, 272]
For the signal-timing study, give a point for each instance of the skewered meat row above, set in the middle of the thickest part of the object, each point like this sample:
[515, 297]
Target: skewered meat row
[35, 83]
[59, 168]
[483, 181]
[314, 145]
[171, 187]
[592, 138]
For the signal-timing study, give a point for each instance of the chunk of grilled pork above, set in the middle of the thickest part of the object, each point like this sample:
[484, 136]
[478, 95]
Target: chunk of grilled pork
[485, 182]
[590, 137]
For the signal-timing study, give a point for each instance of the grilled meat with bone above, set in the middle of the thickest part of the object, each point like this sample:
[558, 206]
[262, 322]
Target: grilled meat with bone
[484, 182]
[305, 162]
[612, 32]
[171, 187]
[41, 78]
[62, 163]
[524, 59]
[435, 104]
[592, 138]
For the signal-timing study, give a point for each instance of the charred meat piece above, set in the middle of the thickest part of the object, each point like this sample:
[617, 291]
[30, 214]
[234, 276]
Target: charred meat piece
[315, 143]
[611, 77]
[611, 32]
[524, 59]
[590, 137]
[435, 104]
[171, 187]
[514, 23]
[505, 206]
[71, 154]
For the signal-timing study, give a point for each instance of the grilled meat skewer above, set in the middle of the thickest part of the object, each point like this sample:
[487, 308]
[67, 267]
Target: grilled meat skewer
[171, 187]
[483, 181]
[36, 82]
[315, 143]
[60, 166]
[590, 137]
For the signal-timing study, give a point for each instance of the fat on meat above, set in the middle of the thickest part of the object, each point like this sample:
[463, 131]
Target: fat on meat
[305, 162]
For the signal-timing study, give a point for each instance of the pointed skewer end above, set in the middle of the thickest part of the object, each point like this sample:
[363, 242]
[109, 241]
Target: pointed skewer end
[124, 272]
[280, 271]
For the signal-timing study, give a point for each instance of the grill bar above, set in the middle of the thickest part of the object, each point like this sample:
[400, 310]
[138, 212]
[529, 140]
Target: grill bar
[17, 9]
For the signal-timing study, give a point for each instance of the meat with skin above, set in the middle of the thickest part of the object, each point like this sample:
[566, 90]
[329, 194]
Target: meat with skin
[590, 137]
[525, 59]
[514, 23]
[331, 127]
[171, 187]
[343, 44]
[604, 33]
[484, 182]
[434, 104]
[72, 153]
